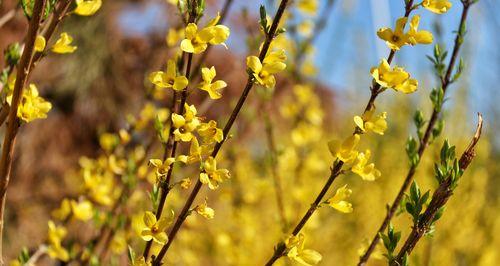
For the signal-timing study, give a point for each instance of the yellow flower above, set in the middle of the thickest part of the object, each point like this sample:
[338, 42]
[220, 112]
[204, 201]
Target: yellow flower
[161, 168]
[169, 79]
[368, 122]
[185, 124]
[338, 201]
[211, 175]
[363, 169]
[204, 210]
[32, 106]
[63, 44]
[208, 74]
[55, 237]
[63, 212]
[56, 233]
[309, 7]
[196, 41]
[437, 6]
[58, 252]
[174, 36]
[263, 72]
[82, 210]
[210, 132]
[195, 153]
[155, 229]
[415, 36]
[397, 78]
[345, 151]
[87, 7]
[396, 38]
[296, 251]
[40, 43]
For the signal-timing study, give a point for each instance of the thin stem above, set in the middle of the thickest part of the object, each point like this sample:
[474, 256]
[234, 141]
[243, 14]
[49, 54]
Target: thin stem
[336, 169]
[171, 146]
[422, 146]
[250, 82]
[13, 122]
[439, 199]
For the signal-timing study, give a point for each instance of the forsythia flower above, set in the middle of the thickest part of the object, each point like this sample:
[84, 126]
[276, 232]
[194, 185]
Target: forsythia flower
[195, 153]
[208, 74]
[32, 106]
[161, 167]
[345, 151]
[204, 210]
[155, 230]
[296, 251]
[211, 175]
[87, 7]
[415, 36]
[55, 236]
[368, 122]
[185, 124]
[263, 71]
[63, 44]
[196, 41]
[394, 38]
[397, 78]
[363, 169]
[40, 43]
[169, 79]
[397, 38]
[210, 132]
[82, 210]
[338, 201]
[437, 6]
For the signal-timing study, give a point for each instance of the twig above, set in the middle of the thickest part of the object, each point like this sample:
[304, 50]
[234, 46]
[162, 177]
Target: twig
[439, 199]
[250, 82]
[422, 146]
[336, 169]
[13, 122]
[171, 146]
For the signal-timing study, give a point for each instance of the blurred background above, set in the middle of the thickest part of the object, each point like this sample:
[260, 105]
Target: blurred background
[96, 88]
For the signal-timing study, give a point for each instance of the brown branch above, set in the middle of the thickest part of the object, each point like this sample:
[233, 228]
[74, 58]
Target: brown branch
[13, 122]
[250, 82]
[422, 146]
[336, 169]
[171, 146]
[439, 199]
